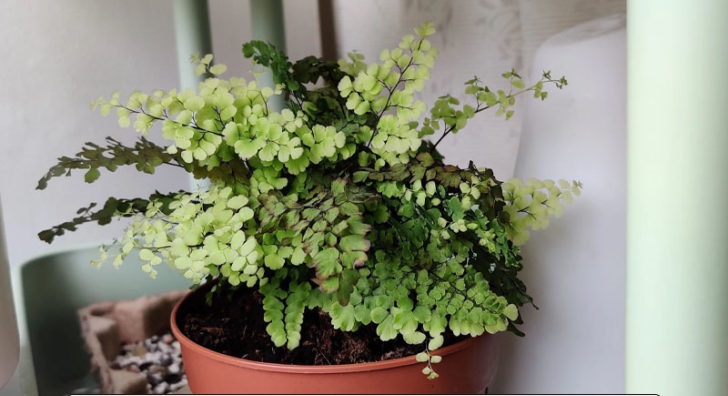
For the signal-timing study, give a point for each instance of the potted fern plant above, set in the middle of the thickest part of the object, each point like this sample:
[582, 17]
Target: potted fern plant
[332, 233]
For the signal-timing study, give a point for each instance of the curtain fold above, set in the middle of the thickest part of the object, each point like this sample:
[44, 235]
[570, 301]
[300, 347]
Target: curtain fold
[485, 38]
[481, 38]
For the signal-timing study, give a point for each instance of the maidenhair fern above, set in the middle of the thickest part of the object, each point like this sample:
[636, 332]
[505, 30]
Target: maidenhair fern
[336, 202]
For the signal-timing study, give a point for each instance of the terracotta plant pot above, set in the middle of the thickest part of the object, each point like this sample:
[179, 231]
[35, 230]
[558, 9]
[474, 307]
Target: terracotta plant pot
[467, 367]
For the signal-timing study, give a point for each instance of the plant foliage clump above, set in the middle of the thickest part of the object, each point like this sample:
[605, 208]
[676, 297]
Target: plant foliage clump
[337, 201]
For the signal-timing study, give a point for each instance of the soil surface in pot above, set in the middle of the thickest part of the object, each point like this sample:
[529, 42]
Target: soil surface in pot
[234, 325]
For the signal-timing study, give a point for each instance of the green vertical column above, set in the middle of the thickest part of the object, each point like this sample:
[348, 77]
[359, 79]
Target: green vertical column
[677, 237]
[268, 25]
[192, 33]
[192, 36]
[267, 22]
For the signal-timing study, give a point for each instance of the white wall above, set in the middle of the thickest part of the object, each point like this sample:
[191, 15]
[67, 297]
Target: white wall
[59, 56]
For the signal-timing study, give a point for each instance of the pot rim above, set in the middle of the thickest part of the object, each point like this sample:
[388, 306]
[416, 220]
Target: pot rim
[303, 369]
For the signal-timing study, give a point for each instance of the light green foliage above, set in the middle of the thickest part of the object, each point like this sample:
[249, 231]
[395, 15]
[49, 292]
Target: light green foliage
[387, 91]
[531, 204]
[336, 202]
[447, 116]
[201, 233]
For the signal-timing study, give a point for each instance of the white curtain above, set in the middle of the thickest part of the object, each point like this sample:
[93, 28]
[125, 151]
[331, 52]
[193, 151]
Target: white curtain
[486, 38]
[475, 37]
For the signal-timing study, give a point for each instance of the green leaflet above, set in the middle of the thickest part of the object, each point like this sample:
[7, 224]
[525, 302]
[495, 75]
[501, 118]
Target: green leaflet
[354, 242]
[327, 262]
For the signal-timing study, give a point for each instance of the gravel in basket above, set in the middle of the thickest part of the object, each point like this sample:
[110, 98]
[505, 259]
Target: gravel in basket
[130, 346]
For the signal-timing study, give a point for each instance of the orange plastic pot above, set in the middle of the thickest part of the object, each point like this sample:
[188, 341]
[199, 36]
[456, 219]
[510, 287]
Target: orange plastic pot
[467, 367]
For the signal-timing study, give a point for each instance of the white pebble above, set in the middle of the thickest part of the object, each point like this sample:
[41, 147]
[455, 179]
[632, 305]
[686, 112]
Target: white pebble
[161, 357]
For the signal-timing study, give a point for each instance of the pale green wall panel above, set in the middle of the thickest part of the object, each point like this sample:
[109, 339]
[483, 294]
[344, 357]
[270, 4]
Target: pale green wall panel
[267, 22]
[677, 239]
[266, 17]
[192, 36]
[192, 33]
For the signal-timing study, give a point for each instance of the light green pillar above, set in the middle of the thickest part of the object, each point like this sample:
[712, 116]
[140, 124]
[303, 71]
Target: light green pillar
[192, 33]
[268, 25]
[267, 19]
[193, 36]
[677, 238]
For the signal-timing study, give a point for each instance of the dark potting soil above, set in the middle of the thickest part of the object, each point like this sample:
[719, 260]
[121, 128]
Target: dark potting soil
[234, 325]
